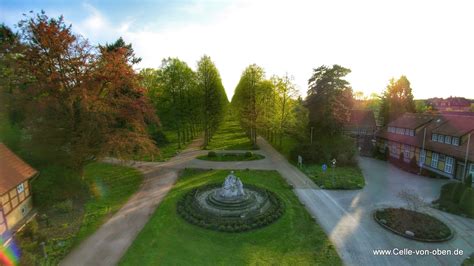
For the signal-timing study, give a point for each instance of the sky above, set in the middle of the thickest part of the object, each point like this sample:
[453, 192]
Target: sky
[431, 42]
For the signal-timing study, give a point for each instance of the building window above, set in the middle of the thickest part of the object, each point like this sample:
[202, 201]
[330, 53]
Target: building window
[434, 160]
[471, 170]
[20, 188]
[434, 137]
[412, 132]
[422, 156]
[447, 139]
[448, 167]
[441, 158]
[441, 138]
[407, 131]
[456, 141]
[406, 152]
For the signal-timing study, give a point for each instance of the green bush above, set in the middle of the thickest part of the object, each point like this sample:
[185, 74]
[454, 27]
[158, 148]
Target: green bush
[468, 180]
[212, 154]
[457, 192]
[446, 194]
[467, 202]
[248, 154]
[30, 230]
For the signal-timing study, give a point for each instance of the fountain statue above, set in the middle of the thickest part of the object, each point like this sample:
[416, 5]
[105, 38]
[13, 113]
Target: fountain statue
[232, 187]
[229, 206]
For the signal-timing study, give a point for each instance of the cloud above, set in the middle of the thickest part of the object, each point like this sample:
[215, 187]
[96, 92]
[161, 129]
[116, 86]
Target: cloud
[427, 41]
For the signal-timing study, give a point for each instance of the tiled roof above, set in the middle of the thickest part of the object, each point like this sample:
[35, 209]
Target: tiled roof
[411, 121]
[452, 125]
[455, 125]
[362, 118]
[13, 170]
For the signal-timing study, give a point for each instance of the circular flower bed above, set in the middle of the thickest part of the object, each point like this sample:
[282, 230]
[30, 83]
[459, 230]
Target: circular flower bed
[190, 209]
[413, 225]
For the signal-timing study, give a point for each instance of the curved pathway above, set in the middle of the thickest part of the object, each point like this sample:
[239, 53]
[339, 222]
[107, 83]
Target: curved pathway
[344, 215]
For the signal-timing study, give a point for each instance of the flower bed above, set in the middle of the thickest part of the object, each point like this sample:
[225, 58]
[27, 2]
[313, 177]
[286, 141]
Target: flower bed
[413, 225]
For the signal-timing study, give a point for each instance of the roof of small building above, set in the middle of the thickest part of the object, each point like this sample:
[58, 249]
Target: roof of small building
[362, 118]
[13, 170]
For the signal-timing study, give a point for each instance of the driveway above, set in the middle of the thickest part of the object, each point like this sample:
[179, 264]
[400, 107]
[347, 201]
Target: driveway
[346, 216]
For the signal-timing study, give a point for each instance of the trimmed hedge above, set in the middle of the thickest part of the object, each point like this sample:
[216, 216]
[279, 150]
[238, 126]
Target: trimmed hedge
[189, 210]
[457, 198]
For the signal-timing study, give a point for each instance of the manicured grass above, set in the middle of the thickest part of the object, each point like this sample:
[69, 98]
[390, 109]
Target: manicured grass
[341, 177]
[230, 136]
[295, 239]
[110, 187]
[68, 222]
[227, 157]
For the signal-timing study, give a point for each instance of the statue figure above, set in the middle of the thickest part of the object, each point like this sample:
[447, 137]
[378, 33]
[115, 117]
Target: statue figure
[232, 187]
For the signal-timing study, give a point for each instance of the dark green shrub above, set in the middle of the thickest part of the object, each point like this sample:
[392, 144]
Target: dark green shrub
[248, 154]
[467, 202]
[30, 230]
[446, 194]
[457, 192]
[468, 180]
[212, 154]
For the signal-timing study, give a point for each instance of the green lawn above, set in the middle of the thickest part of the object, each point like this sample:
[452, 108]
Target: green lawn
[230, 136]
[70, 221]
[295, 239]
[110, 187]
[340, 177]
[228, 157]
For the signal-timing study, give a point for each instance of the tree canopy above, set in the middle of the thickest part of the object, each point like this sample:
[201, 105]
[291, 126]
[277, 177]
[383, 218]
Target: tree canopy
[397, 99]
[329, 99]
[77, 102]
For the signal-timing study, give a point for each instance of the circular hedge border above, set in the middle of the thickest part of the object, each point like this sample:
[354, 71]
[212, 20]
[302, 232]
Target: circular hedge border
[191, 212]
[231, 157]
[417, 238]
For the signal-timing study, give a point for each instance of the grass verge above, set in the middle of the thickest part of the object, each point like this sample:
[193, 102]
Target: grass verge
[169, 240]
[340, 177]
[64, 224]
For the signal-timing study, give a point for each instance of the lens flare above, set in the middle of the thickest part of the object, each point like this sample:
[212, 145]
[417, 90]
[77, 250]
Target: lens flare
[10, 254]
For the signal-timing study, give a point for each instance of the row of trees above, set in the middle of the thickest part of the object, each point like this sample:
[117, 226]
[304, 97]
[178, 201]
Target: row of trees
[267, 106]
[73, 101]
[186, 101]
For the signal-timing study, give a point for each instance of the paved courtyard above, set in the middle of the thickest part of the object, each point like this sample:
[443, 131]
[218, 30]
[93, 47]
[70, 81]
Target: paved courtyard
[344, 215]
